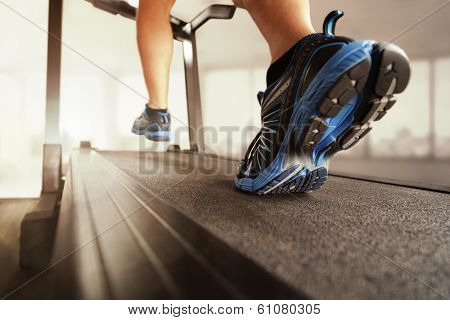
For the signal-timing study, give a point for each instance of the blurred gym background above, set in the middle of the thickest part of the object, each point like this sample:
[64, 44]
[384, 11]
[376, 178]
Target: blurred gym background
[412, 144]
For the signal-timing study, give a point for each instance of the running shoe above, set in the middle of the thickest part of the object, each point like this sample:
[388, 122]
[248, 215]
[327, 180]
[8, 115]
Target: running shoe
[153, 124]
[332, 92]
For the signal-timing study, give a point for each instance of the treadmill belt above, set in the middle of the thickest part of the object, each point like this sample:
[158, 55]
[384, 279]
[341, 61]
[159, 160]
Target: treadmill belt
[351, 240]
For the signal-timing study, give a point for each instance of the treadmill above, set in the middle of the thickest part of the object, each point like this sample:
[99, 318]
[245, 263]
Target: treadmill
[148, 225]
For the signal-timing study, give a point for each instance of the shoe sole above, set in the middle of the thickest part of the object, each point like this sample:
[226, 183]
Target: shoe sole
[157, 136]
[361, 95]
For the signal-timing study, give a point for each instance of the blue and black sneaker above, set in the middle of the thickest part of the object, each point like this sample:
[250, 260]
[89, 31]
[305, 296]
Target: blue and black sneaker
[153, 124]
[332, 91]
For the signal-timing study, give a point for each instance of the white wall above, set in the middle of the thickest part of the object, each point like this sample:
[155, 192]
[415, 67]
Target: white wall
[23, 54]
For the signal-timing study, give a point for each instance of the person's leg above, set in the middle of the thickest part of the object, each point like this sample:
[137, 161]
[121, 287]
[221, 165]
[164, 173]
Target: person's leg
[155, 41]
[282, 23]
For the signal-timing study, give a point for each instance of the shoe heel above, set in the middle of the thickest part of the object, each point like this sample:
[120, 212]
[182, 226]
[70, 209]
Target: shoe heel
[393, 71]
[392, 76]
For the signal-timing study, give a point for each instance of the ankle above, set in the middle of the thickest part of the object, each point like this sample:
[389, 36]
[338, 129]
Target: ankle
[153, 112]
[151, 105]
[279, 48]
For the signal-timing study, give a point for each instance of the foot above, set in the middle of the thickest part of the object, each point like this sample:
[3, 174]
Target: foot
[153, 124]
[327, 100]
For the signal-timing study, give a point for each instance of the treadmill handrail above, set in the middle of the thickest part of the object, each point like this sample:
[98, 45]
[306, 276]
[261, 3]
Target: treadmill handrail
[215, 11]
[115, 7]
[179, 27]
